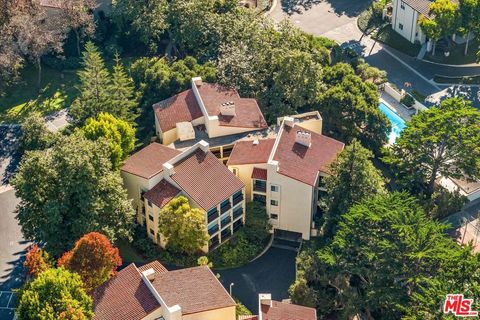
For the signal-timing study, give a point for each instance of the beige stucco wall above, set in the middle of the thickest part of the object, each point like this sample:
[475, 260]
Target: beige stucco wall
[244, 173]
[214, 129]
[408, 17]
[218, 314]
[295, 203]
[312, 125]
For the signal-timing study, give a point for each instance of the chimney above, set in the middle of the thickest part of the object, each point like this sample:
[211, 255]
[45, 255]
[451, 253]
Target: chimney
[149, 274]
[256, 142]
[289, 121]
[265, 299]
[227, 108]
[197, 81]
[304, 138]
[168, 169]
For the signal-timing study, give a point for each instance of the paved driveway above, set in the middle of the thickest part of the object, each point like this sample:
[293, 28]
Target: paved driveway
[271, 273]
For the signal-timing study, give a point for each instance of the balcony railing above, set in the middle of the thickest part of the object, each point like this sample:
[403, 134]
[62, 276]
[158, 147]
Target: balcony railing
[225, 207]
[237, 213]
[260, 186]
[213, 229]
[237, 225]
[237, 199]
[226, 234]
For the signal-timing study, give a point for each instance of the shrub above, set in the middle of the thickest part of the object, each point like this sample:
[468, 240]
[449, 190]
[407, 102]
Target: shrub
[445, 203]
[408, 100]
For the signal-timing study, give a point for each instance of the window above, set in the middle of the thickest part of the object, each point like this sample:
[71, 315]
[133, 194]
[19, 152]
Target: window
[149, 203]
[260, 198]
[400, 26]
[274, 216]
[274, 203]
[402, 6]
[142, 193]
[274, 188]
[152, 232]
[235, 171]
[150, 217]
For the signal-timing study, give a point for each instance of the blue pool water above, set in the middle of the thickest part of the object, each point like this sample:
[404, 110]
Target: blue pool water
[398, 124]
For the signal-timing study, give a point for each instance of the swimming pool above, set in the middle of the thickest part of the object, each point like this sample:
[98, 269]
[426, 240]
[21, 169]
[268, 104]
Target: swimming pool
[398, 124]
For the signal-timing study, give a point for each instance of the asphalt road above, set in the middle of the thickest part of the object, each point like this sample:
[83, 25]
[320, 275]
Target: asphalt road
[271, 273]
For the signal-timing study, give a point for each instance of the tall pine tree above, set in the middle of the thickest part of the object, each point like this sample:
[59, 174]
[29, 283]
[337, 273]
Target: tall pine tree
[94, 84]
[123, 100]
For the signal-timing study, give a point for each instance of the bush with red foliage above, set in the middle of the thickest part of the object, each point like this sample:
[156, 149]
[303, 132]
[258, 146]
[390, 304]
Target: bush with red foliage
[36, 260]
[93, 258]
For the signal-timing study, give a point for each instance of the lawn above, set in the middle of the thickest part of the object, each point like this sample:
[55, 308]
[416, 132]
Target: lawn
[56, 91]
[128, 253]
[457, 55]
[391, 38]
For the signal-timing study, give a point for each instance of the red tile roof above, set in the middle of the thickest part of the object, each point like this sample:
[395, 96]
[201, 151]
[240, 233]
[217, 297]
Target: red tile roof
[179, 108]
[248, 114]
[161, 193]
[287, 311]
[194, 289]
[125, 296]
[205, 179]
[246, 152]
[149, 161]
[303, 163]
[258, 173]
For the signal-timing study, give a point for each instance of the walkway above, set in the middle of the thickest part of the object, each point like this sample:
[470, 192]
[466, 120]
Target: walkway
[271, 273]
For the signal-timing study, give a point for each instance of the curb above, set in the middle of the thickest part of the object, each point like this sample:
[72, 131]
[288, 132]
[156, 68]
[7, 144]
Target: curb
[269, 245]
[469, 65]
[274, 5]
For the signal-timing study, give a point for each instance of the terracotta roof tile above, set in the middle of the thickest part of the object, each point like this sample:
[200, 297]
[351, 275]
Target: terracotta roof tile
[303, 163]
[125, 296]
[248, 114]
[246, 152]
[179, 108]
[258, 173]
[287, 311]
[161, 193]
[205, 179]
[196, 290]
[149, 161]
[155, 265]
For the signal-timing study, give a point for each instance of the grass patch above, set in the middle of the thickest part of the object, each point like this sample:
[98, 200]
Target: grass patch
[128, 253]
[457, 80]
[418, 96]
[57, 91]
[368, 21]
[456, 56]
[391, 38]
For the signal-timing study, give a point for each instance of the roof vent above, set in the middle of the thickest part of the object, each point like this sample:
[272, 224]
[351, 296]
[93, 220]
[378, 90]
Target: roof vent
[304, 138]
[289, 121]
[198, 81]
[227, 108]
[256, 142]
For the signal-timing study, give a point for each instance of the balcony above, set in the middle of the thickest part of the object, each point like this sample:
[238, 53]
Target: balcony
[214, 242]
[225, 206]
[260, 198]
[227, 151]
[225, 221]
[237, 199]
[237, 225]
[237, 213]
[259, 186]
[227, 233]
[212, 230]
[212, 215]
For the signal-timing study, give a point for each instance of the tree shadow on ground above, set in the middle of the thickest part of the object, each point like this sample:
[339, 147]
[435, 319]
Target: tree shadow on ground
[15, 275]
[339, 7]
[9, 155]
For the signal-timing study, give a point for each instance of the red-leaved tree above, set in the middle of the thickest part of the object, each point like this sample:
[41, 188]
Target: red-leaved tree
[36, 260]
[93, 258]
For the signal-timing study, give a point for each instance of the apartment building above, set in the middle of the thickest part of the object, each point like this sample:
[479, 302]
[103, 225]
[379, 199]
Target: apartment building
[269, 309]
[151, 292]
[405, 17]
[156, 174]
[286, 173]
[207, 112]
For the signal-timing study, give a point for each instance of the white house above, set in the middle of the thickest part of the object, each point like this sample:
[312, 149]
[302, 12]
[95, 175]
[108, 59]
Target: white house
[406, 14]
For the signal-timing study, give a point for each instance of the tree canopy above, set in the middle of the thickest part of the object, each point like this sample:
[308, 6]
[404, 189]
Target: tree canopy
[36, 261]
[442, 140]
[54, 294]
[183, 227]
[35, 135]
[68, 191]
[119, 134]
[93, 258]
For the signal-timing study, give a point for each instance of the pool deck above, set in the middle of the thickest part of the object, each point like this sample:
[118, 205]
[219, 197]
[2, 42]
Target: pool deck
[397, 107]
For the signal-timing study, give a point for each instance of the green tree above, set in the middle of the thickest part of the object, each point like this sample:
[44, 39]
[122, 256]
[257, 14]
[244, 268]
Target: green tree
[353, 178]
[470, 19]
[431, 29]
[35, 135]
[147, 19]
[350, 110]
[385, 250]
[95, 80]
[123, 101]
[119, 134]
[442, 140]
[183, 227]
[68, 191]
[52, 294]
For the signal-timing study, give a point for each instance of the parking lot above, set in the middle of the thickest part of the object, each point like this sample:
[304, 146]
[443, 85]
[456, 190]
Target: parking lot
[8, 302]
